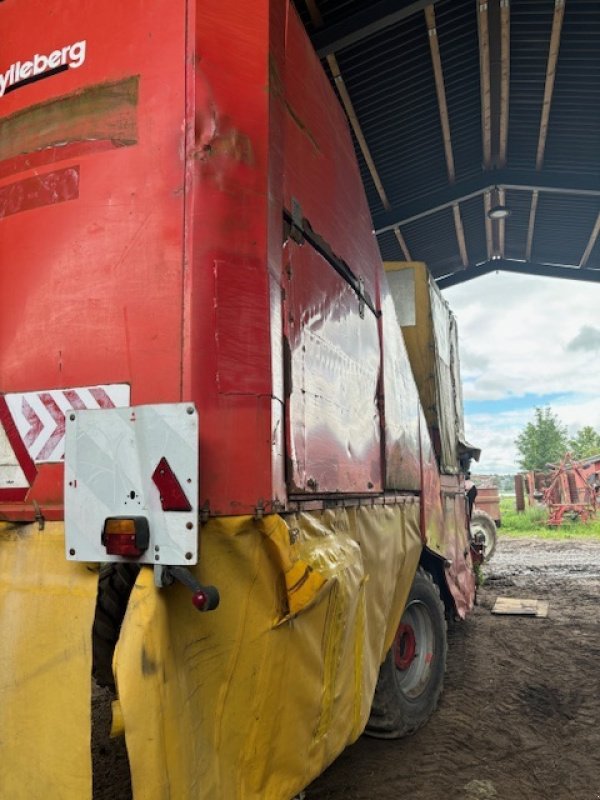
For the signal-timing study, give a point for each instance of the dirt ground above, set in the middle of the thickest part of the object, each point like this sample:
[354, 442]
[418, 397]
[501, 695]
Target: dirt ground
[520, 715]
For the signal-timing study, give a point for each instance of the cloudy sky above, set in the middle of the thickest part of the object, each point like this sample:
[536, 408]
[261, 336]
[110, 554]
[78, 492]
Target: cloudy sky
[525, 342]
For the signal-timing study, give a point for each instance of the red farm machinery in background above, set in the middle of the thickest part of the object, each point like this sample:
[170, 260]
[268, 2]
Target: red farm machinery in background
[569, 490]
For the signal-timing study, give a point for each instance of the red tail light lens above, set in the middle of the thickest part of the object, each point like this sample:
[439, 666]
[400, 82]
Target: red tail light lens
[126, 536]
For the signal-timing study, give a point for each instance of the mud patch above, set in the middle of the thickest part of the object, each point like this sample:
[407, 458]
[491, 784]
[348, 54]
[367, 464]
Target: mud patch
[519, 714]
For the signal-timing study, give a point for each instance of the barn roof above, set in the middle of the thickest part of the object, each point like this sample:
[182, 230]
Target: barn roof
[460, 107]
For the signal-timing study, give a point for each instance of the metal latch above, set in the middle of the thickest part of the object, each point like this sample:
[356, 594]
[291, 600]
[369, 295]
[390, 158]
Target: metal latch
[204, 598]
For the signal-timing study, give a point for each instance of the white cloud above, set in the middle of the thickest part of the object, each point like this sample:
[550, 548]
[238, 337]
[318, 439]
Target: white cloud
[588, 339]
[521, 335]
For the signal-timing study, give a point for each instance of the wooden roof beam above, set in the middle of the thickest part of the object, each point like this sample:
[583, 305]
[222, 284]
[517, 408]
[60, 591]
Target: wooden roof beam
[460, 235]
[590, 245]
[484, 81]
[501, 223]
[504, 79]
[557, 22]
[531, 226]
[317, 21]
[489, 234]
[440, 90]
[402, 243]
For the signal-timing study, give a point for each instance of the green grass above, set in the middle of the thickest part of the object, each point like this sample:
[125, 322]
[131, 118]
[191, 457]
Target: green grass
[531, 523]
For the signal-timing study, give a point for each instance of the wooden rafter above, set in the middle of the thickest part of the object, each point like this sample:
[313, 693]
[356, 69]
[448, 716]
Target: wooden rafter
[590, 245]
[317, 21]
[332, 61]
[531, 226]
[460, 235]
[559, 13]
[360, 138]
[402, 243]
[445, 123]
[501, 224]
[484, 80]
[440, 90]
[489, 235]
[504, 79]
[315, 14]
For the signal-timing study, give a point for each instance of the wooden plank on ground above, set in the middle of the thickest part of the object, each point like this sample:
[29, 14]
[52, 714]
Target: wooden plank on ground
[520, 606]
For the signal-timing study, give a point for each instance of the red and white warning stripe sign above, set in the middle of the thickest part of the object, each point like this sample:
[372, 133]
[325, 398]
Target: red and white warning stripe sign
[17, 470]
[39, 417]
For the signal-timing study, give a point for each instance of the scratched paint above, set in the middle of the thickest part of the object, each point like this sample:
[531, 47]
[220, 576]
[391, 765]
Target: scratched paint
[103, 112]
[41, 190]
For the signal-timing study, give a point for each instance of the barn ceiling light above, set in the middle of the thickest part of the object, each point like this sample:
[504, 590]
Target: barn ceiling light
[499, 212]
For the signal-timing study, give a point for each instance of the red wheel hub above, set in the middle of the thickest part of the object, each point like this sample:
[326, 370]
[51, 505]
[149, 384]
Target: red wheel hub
[405, 646]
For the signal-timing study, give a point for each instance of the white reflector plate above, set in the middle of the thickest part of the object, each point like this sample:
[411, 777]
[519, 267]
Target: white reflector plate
[110, 457]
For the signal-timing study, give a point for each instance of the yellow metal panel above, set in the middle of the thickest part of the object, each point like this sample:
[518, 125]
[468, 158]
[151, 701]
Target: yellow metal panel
[255, 699]
[419, 338]
[46, 613]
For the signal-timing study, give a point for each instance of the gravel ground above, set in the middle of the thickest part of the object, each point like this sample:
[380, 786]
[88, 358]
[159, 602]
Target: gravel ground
[520, 714]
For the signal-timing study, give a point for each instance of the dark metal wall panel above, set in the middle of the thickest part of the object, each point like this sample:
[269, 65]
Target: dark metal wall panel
[517, 225]
[473, 218]
[459, 52]
[530, 28]
[594, 259]
[556, 215]
[574, 131]
[390, 80]
[389, 248]
[433, 240]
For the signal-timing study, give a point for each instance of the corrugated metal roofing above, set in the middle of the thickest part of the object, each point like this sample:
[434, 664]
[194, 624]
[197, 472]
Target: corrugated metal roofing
[390, 78]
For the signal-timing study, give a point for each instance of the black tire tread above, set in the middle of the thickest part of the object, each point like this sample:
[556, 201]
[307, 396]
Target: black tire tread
[114, 588]
[385, 721]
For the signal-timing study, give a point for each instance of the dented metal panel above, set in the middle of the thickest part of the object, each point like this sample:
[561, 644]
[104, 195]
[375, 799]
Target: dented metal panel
[332, 381]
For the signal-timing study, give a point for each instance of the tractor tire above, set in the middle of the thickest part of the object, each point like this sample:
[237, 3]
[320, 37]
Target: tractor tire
[483, 525]
[411, 678]
[114, 587]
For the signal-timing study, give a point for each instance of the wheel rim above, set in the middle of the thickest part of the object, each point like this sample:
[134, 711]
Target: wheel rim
[414, 649]
[480, 533]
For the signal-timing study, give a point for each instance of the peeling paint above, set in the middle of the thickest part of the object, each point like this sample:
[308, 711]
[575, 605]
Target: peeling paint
[41, 190]
[103, 112]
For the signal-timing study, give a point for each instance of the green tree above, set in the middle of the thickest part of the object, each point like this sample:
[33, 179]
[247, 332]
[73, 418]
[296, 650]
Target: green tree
[585, 444]
[543, 441]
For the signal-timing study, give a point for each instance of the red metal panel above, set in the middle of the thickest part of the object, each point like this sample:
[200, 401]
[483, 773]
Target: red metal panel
[333, 419]
[227, 355]
[333, 373]
[90, 289]
[460, 577]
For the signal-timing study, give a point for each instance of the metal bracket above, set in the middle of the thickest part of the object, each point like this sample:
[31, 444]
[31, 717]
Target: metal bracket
[204, 598]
